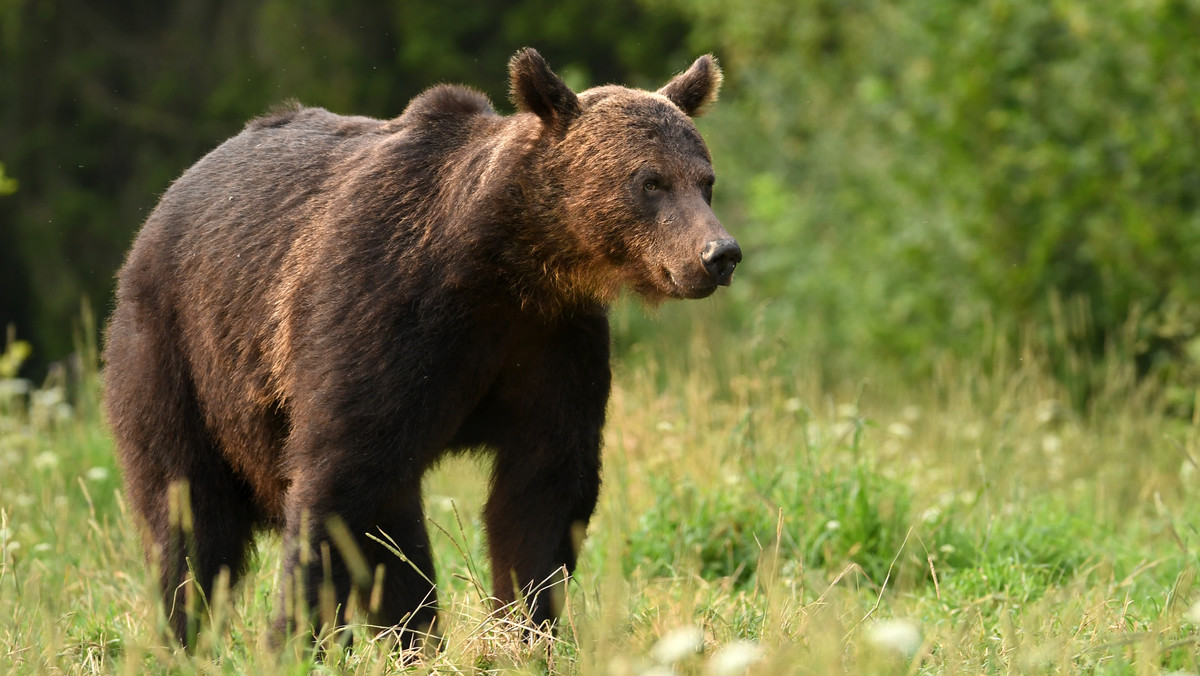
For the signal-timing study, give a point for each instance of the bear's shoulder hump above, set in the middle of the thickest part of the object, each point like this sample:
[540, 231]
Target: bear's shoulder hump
[280, 115]
[446, 100]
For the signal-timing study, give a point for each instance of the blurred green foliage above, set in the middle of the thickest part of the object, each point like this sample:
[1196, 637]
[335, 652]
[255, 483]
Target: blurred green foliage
[8, 185]
[916, 174]
[908, 177]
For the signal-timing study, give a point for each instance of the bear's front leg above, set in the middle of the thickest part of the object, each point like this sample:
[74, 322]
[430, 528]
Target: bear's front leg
[536, 517]
[546, 477]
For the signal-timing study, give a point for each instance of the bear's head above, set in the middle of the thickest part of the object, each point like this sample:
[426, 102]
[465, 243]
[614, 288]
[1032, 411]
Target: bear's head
[631, 180]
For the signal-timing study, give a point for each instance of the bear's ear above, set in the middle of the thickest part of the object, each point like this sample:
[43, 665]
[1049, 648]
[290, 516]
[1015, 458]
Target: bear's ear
[696, 87]
[536, 89]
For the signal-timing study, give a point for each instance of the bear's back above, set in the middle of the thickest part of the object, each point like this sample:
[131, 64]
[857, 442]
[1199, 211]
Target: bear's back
[295, 153]
[279, 159]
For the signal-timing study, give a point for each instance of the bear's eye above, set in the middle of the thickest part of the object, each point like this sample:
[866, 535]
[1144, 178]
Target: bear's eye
[652, 185]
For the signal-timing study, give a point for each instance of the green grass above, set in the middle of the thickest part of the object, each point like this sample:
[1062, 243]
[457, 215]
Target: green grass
[751, 519]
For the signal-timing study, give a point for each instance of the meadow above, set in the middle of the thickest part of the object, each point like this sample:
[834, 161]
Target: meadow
[754, 519]
[946, 420]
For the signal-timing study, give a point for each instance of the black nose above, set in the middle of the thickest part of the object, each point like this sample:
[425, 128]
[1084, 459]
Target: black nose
[720, 257]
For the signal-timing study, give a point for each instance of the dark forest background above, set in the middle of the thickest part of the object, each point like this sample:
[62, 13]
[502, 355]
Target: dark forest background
[910, 179]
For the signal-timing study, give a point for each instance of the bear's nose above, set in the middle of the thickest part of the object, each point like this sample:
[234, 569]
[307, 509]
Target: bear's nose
[720, 257]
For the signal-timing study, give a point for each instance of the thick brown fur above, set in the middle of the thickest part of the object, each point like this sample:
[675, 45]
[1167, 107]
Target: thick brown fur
[323, 306]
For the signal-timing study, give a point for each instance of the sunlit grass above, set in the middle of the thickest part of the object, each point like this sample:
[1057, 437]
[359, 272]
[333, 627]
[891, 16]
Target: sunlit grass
[752, 521]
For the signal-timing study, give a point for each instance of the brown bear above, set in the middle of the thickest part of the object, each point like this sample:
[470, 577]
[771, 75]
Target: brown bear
[323, 306]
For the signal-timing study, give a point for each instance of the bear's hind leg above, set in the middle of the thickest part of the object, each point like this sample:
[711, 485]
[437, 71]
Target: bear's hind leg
[218, 538]
[195, 511]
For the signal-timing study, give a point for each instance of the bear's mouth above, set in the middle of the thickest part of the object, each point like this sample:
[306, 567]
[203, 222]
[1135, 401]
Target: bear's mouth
[680, 289]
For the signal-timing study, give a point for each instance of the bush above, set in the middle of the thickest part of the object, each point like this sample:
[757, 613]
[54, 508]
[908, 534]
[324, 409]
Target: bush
[911, 173]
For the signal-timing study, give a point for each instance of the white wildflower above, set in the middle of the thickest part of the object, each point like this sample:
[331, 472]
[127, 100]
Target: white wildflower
[14, 387]
[900, 636]
[46, 460]
[1048, 411]
[1193, 613]
[812, 432]
[678, 644]
[47, 398]
[62, 412]
[97, 474]
[734, 658]
[842, 428]
[1187, 471]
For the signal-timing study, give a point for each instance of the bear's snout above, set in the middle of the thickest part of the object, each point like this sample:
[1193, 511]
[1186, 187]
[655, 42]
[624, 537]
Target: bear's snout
[720, 257]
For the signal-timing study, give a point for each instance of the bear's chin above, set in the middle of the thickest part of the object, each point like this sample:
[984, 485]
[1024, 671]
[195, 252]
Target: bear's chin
[670, 289]
[674, 287]
[695, 292]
